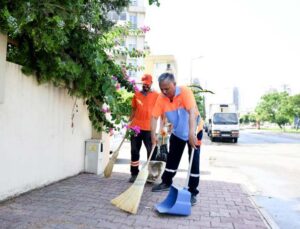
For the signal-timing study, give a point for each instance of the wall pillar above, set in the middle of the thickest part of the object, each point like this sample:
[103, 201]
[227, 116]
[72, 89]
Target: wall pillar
[3, 47]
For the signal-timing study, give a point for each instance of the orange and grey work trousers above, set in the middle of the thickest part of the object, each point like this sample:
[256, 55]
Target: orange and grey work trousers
[136, 144]
[177, 146]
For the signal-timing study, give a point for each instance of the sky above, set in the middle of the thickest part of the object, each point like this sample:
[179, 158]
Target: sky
[250, 44]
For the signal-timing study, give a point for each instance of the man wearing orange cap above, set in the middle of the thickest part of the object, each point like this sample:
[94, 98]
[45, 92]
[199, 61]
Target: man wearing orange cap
[142, 104]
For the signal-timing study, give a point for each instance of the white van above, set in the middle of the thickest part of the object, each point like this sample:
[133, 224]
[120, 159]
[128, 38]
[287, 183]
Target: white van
[223, 122]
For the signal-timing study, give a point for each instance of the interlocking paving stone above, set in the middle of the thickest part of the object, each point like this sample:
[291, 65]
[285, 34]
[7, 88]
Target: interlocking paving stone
[83, 201]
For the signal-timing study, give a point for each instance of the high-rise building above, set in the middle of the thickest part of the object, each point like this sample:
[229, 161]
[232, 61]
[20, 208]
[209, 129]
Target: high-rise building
[236, 98]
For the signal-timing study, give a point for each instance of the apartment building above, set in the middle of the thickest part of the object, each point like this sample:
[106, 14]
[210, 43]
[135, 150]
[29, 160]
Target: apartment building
[158, 64]
[135, 14]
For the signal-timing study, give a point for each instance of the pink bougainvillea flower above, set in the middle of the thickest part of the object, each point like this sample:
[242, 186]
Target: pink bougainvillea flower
[133, 130]
[111, 131]
[118, 86]
[136, 130]
[105, 110]
[132, 81]
[136, 89]
[145, 29]
[114, 78]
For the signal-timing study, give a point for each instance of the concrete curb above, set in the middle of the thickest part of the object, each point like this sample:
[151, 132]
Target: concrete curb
[265, 216]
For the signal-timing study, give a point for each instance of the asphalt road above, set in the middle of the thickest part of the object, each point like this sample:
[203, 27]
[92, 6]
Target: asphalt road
[263, 137]
[268, 164]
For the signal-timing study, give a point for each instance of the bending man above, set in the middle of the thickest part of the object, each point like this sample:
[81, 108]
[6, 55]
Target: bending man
[179, 106]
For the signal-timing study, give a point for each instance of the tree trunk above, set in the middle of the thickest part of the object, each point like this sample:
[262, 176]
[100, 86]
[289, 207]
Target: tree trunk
[258, 125]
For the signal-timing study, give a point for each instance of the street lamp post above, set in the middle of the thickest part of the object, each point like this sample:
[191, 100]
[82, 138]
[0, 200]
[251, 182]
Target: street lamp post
[192, 59]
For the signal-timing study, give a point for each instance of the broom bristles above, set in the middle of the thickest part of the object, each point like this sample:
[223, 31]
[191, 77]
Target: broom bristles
[109, 167]
[129, 200]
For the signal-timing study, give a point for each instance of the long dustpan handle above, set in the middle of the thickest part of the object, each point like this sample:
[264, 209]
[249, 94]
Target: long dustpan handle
[189, 169]
[190, 166]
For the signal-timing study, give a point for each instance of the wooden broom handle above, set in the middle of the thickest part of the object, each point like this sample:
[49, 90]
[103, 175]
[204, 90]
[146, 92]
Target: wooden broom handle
[119, 147]
[146, 164]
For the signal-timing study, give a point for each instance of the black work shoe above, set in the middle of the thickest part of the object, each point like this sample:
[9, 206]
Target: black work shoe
[193, 200]
[161, 187]
[132, 178]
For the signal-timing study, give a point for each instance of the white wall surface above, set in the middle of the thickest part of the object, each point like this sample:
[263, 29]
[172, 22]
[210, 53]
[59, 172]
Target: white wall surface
[37, 144]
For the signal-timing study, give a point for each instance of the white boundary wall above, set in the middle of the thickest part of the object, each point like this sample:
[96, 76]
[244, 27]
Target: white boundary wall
[37, 144]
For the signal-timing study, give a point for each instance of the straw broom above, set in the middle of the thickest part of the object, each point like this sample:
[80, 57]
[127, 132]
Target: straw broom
[129, 200]
[112, 160]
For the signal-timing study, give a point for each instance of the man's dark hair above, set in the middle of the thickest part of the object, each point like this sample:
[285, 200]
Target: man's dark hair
[166, 76]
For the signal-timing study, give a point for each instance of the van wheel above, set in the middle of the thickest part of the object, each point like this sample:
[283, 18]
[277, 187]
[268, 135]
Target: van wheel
[212, 139]
[235, 140]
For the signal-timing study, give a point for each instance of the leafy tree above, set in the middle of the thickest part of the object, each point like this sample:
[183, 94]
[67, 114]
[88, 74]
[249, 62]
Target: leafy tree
[72, 45]
[295, 103]
[274, 107]
[248, 118]
[154, 2]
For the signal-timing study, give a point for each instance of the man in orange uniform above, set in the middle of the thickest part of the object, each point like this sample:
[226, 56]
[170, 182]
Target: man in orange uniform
[142, 104]
[179, 106]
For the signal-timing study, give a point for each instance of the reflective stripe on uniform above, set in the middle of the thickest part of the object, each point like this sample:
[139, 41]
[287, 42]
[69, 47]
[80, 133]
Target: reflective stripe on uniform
[194, 175]
[135, 163]
[170, 170]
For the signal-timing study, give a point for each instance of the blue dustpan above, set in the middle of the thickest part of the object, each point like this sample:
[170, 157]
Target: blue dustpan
[178, 201]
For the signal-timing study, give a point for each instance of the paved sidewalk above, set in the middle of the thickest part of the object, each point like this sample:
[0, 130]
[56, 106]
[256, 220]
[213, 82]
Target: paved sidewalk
[83, 201]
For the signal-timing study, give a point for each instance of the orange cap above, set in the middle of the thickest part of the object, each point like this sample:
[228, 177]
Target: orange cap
[147, 79]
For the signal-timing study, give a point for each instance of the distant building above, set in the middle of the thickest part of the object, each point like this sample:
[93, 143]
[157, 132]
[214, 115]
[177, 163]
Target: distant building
[271, 90]
[286, 88]
[236, 98]
[282, 88]
[158, 64]
[196, 81]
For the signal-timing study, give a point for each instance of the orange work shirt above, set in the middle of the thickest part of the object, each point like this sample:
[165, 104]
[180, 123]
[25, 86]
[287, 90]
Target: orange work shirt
[177, 111]
[143, 105]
